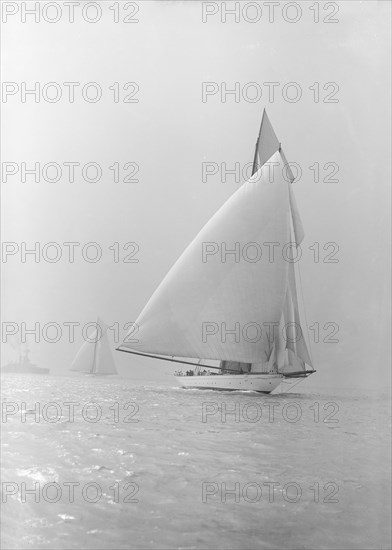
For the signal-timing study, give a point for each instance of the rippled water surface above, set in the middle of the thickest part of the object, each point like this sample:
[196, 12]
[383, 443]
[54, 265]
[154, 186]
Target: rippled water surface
[301, 470]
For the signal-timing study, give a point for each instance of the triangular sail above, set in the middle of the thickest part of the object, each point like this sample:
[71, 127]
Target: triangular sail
[293, 343]
[84, 360]
[301, 349]
[226, 291]
[94, 356]
[104, 360]
[267, 143]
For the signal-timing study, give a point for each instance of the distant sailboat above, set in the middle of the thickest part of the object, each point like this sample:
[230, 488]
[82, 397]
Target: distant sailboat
[95, 356]
[232, 292]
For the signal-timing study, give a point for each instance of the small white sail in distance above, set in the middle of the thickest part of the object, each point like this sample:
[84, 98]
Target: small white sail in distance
[95, 356]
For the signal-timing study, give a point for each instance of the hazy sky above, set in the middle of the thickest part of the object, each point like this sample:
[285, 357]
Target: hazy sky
[169, 133]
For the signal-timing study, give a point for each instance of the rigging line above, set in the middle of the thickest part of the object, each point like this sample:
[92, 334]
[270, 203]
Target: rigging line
[306, 320]
[94, 365]
[167, 358]
[299, 381]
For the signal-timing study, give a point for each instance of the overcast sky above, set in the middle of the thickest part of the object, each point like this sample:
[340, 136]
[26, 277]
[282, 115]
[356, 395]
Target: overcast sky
[169, 133]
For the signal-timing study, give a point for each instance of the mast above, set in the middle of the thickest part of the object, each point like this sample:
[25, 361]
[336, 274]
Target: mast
[94, 365]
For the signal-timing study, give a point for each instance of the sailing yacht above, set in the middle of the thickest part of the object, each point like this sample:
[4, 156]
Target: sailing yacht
[226, 309]
[95, 356]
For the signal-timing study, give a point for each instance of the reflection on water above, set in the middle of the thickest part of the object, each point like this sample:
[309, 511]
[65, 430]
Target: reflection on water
[118, 465]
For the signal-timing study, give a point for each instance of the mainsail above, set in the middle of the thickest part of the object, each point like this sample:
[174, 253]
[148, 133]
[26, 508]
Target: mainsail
[95, 356]
[234, 282]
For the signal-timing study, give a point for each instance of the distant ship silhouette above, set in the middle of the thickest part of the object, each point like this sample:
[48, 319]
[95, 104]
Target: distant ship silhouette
[24, 365]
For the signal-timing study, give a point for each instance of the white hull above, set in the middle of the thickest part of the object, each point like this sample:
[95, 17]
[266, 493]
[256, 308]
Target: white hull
[265, 383]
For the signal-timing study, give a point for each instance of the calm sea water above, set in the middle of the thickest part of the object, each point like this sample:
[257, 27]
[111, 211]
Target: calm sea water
[155, 466]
